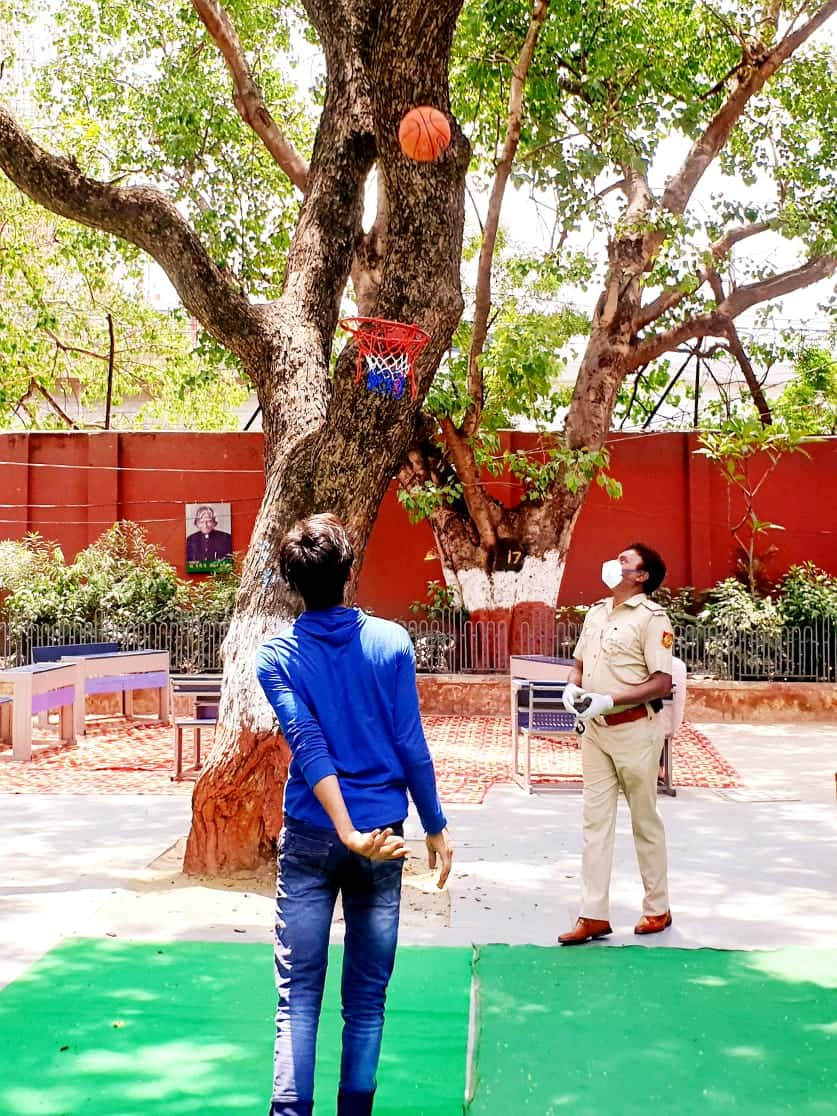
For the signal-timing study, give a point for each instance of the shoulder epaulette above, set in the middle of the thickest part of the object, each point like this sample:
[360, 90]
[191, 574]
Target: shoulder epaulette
[652, 605]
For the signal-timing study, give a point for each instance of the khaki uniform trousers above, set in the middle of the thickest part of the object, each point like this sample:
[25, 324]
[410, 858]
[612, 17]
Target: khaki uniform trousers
[626, 756]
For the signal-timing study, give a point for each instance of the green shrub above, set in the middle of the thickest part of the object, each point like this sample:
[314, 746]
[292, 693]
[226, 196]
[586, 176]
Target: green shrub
[807, 594]
[745, 641]
[731, 605]
[682, 605]
[211, 599]
[37, 586]
[441, 601]
[125, 577]
[24, 558]
[121, 580]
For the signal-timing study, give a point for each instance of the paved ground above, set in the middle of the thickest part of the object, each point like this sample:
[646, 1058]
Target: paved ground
[750, 867]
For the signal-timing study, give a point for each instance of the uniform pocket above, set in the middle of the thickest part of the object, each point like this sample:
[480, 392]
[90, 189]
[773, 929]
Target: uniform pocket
[617, 642]
[622, 652]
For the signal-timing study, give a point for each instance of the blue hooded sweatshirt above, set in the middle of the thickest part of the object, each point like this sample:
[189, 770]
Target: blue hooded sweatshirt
[343, 686]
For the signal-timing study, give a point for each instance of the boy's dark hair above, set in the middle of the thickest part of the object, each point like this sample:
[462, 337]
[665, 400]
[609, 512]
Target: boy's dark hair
[315, 558]
[653, 565]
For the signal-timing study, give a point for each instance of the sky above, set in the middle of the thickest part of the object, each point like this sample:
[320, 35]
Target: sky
[770, 249]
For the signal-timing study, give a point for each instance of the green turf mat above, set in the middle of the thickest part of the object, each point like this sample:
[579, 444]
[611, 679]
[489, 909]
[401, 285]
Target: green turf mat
[113, 1028]
[632, 1031]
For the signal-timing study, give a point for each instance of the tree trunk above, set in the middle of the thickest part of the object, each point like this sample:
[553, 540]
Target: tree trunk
[330, 444]
[512, 591]
[237, 803]
[512, 588]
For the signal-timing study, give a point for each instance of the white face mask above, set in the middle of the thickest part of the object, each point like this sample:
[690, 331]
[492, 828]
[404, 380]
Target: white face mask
[612, 573]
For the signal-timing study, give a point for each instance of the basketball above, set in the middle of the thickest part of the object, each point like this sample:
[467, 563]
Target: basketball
[424, 133]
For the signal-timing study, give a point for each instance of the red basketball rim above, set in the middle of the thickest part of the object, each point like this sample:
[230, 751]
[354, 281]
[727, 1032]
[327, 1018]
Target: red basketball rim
[378, 334]
[379, 337]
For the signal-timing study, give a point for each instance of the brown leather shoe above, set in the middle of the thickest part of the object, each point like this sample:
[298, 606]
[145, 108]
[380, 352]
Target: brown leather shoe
[653, 924]
[585, 930]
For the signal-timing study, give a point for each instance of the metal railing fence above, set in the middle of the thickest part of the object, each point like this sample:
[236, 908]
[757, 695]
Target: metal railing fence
[194, 645]
[449, 644]
[802, 653]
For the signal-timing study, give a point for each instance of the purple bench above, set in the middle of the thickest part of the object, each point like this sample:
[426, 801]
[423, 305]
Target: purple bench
[122, 672]
[37, 689]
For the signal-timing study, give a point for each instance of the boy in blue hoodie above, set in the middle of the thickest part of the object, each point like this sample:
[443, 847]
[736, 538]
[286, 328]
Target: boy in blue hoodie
[343, 687]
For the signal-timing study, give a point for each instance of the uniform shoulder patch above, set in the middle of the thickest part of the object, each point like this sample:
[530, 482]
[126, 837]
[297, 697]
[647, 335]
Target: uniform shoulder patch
[668, 640]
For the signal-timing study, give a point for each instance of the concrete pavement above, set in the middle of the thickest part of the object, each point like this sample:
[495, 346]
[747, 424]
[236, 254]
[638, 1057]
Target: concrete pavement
[748, 869]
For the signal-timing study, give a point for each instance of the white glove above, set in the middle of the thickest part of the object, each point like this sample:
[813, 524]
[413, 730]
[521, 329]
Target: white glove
[571, 694]
[599, 704]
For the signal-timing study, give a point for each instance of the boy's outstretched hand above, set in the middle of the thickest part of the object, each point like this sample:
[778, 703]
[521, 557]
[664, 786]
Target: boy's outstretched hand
[438, 845]
[377, 844]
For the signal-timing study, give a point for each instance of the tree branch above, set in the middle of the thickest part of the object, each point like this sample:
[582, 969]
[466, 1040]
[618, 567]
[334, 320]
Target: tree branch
[482, 300]
[247, 97]
[369, 257]
[473, 493]
[772, 11]
[734, 236]
[65, 348]
[111, 362]
[638, 192]
[714, 324]
[630, 252]
[632, 400]
[665, 301]
[673, 296]
[52, 403]
[738, 351]
[753, 75]
[141, 215]
[775, 286]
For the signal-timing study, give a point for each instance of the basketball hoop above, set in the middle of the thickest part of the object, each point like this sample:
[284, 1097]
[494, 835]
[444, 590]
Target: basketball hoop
[387, 352]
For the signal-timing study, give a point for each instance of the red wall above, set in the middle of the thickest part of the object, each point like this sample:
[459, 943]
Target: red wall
[70, 487]
[678, 502]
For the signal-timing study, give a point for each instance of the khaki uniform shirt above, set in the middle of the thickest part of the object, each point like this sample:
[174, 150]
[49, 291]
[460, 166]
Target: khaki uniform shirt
[624, 646]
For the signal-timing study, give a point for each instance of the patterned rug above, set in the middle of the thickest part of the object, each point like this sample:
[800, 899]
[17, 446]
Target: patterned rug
[472, 754]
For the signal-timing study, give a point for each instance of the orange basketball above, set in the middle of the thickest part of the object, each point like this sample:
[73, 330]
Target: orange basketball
[424, 133]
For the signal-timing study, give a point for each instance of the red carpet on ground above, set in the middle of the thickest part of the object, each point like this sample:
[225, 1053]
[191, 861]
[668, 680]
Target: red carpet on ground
[472, 754]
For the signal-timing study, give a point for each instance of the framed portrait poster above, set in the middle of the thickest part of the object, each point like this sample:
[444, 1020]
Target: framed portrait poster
[208, 537]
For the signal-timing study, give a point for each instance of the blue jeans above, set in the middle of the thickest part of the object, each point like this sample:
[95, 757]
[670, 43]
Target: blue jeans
[313, 866]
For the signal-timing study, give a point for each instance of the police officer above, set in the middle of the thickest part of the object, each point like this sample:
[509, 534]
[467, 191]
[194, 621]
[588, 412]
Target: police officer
[622, 664]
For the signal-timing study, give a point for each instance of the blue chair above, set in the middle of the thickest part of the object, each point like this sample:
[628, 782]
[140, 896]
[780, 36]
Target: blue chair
[537, 710]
